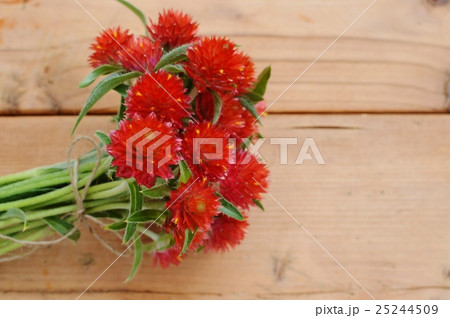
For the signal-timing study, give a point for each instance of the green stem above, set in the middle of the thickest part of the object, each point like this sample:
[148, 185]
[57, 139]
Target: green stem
[36, 172]
[40, 214]
[33, 235]
[54, 194]
[35, 183]
[19, 227]
[70, 197]
[123, 187]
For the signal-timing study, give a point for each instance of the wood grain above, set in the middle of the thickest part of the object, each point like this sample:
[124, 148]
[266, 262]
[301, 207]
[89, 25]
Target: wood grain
[380, 205]
[396, 58]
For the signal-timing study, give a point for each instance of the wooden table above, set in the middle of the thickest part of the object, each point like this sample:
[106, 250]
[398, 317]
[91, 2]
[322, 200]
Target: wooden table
[376, 104]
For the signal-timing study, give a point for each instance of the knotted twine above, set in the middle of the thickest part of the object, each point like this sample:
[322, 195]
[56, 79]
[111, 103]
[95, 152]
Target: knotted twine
[80, 210]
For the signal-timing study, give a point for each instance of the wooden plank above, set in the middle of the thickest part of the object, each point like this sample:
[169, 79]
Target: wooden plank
[394, 59]
[380, 205]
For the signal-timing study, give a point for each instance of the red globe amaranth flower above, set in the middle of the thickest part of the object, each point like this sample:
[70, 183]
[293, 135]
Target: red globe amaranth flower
[107, 45]
[207, 150]
[144, 148]
[246, 180]
[261, 108]
[161, 93]
[214, 63]
[193, 205]
[167, 257]
[226, 233]
[140, 54]
[234, 118]
[174, 28]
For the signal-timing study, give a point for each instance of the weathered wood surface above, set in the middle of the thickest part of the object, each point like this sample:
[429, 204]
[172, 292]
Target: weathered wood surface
[380, 205]
[396, 58]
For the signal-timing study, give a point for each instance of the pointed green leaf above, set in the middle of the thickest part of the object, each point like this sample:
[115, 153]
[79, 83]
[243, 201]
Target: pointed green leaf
[185, 172]
[136, 11]
[254, 97]
[176, 55]
[99, 71]
[261, 82]
[144, 216]
[101, 89]
[159, 191]
[111, 214]
[258, 204]
[188, 237]
[217, 107]
[250, 107]
[135, 206]
[117, 226]
[104, 138]
[138, 253]
[16, 213]
[229, 209]
[174, 68]
[62, 227]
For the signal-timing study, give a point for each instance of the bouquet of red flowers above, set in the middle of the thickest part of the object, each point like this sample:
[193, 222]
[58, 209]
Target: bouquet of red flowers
[176, 177]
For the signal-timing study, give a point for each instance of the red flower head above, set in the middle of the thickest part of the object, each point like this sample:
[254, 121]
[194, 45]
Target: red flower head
[174, 28]
[193, 205]
[167, 257]
[246, 180]
[234, 117]
[226, 233]
[107, 45]
[141, 54]
[214, 63]
[161, 93]
[144, 148]
[207, 150]
[261, 107]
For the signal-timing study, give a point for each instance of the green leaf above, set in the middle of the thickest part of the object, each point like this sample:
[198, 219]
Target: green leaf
[99, 71]
[104, 138]
[258, 204]
[136, 11]
[253, 97]
[176, 55]
[16, 213]
[117, 226]
[261, 82]
[144, 216]
[188, 237]
[138, 253]
[217, 107]
[185, 172]
[229, 209]
[174, 68]
[62, 227]
[122, 89]
[111, 214]
[250, 107]
[101, 89]
[135, 206]
[159, 191]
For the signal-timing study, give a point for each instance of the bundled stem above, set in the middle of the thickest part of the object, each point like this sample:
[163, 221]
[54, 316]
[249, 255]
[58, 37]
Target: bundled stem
[40, 202]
